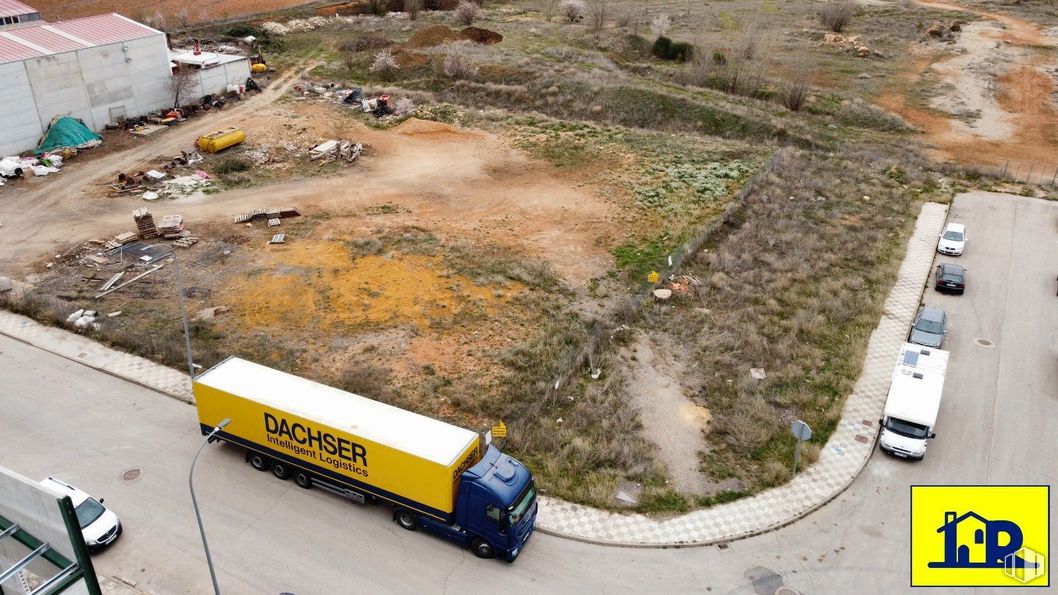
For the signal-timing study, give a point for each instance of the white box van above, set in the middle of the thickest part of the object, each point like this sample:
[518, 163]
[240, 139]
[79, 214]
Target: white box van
[911, 408]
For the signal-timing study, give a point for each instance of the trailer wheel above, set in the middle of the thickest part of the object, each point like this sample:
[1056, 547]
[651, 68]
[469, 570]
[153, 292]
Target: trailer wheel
[482, 548]
[280, 470]
[258, 461]
[304, 480]
[406, 520]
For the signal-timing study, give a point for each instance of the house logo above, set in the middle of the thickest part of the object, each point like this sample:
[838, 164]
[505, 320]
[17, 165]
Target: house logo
[979, 535]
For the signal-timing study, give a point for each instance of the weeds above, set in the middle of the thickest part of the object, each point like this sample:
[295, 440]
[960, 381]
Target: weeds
[837, 15]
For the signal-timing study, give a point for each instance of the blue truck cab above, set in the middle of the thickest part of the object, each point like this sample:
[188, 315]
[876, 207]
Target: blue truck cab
[495, 508]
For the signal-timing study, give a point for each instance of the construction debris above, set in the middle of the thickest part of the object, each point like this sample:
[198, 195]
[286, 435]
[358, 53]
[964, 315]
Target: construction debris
[83, 319]
[171, 227]
[279, 238]
[110, 282]
[130, 281]
[333, 150]
[186, 242]
[266, 214]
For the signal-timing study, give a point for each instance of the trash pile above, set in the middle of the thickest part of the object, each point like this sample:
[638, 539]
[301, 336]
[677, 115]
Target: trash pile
[153, 184]
[380, 106]
[83, 319]
[17, 167]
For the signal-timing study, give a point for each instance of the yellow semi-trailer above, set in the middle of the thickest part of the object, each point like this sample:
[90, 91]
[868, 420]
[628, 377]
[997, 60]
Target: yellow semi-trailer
[437, 476]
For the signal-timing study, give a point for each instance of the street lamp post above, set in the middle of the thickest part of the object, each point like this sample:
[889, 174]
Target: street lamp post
[194, 502]
[183, 310]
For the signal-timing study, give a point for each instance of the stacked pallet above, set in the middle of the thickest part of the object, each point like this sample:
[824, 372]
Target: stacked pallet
[171, 227]
[145, 227]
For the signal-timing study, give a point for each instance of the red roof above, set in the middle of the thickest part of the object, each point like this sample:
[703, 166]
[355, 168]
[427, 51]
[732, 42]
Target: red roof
[10, 8]
[46, 39]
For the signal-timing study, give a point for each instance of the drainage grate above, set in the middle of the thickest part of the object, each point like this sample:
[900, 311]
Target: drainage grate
[981, 341]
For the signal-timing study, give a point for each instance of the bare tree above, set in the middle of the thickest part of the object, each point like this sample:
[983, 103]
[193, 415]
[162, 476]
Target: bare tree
[458, 64]
[548, 9]
[183, 82]
[413, 7]
[794, 89]
[597, 15]
[385, 64]
[738, 69]
[660, 25]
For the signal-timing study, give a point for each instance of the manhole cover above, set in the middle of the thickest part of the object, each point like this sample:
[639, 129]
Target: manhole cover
[131, 474]
[784, 590]
[984, 342]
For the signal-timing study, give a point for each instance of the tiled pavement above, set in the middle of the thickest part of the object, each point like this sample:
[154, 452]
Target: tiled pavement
[845, 454]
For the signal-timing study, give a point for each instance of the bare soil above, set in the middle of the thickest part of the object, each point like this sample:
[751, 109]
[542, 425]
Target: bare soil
[174, 11]
[993, 99]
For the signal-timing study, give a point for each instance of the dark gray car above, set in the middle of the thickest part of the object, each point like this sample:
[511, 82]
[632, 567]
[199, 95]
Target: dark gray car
[929, 327]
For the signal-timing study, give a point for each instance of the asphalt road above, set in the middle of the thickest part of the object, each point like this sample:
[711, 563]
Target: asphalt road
[267, 536]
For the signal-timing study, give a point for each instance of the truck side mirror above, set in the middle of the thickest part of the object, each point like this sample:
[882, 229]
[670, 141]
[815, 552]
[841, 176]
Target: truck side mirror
[932, 435]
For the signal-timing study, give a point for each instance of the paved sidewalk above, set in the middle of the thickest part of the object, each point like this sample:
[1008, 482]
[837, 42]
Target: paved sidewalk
[839, 463]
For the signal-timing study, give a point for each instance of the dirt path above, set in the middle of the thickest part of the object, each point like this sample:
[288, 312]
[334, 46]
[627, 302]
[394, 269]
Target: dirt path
[994, 103]
[670, 420]
[466, 185]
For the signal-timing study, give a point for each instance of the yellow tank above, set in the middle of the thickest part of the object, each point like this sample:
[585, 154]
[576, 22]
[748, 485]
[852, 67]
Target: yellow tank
[259, 68]
[218, 141]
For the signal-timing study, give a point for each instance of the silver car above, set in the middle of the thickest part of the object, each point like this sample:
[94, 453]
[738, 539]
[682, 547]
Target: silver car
[929, 327]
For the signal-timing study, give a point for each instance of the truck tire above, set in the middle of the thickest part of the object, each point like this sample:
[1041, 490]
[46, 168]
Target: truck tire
[482, 548]
[406, 520]
[303, 479]
[258, 461]
[280, 469]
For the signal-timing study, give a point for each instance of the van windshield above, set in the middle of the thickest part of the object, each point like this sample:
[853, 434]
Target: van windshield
[517, 511]
[907, 428]
[88, 511]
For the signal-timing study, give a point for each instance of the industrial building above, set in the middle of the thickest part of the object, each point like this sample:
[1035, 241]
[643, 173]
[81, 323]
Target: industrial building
[99, 69]
[14, 13]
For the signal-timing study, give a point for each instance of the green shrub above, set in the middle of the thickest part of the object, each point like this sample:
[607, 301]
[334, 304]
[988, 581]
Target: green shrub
[666, 49]
[233, 165]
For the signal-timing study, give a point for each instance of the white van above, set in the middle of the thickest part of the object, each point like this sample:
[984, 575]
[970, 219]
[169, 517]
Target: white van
[911, 408]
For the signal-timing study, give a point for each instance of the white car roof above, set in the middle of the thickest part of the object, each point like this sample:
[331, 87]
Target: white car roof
[65, 489]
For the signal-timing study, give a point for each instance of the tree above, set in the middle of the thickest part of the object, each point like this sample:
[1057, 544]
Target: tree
[548, 8]
[182, 83]
[660, 25]
[385, 64]
[597, 15]
[413, 7]
[572, 10]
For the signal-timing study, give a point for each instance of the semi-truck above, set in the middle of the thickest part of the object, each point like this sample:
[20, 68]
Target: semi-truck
[911, 408]
[436, 476]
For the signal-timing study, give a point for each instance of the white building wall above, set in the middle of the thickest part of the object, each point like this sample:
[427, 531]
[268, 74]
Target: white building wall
[215, 80]
[125, 79]
[19, 123]
[58, 87]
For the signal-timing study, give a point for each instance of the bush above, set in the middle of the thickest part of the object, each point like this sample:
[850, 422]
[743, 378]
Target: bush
[837, 15]
[666, 49]
[660, 25]
[367, 41]
[233, 165]
[384, 64]
[466, 13]
[413, 7]
[573, 10]
[458, 63]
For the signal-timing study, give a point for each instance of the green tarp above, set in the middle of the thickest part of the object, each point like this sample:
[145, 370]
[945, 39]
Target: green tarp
[67, 132]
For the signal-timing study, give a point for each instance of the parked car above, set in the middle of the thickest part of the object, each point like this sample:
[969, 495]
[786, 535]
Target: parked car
[929, 327]
[953, 240]
[99, 525]
[950, 278]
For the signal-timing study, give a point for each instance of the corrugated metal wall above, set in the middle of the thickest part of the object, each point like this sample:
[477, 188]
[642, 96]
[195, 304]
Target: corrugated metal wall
[19, 124]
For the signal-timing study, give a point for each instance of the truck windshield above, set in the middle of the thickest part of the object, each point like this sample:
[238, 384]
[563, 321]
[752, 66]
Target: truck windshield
[517, 511]
[907, 428]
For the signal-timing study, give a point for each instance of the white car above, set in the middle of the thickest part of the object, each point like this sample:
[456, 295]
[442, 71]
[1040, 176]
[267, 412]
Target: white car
[953, 240]
[99, 526]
